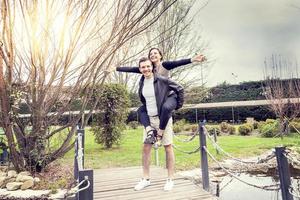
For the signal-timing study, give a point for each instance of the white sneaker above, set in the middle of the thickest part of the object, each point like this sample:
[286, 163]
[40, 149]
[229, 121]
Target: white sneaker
[142, 184]
[169, 185]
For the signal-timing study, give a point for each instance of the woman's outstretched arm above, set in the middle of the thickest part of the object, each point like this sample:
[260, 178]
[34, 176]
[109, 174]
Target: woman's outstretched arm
[177, 63]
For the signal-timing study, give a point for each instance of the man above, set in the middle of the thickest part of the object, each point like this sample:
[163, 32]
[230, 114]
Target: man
[153, 92]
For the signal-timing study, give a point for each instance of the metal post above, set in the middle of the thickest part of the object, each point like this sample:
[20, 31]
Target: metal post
[284, 173]
[203, 154]
[86, 194]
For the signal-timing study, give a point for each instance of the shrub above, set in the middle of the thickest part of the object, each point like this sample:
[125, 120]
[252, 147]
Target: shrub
[224, 127]
[245, 129]
[255, 124]
[194, 127]
[133, 124]
[270, 121]
[227, 128]
[114, 102]
[212, 129]
[179, 126]
[231, 129]
[269, 129]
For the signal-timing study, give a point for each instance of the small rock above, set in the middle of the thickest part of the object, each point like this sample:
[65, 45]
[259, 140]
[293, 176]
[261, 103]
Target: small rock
[13, 186]
[7, 180]
[25, 173]
[23, 178]
[27, 184]
[36, 179]
[2, 174]
[12, 174]
[2, 181]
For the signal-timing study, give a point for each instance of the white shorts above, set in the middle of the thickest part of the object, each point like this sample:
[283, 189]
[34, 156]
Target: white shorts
[168, 133]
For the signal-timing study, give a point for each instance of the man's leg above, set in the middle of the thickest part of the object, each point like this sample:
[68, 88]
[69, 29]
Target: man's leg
[146, 160]
[167, 141]
[170, 160]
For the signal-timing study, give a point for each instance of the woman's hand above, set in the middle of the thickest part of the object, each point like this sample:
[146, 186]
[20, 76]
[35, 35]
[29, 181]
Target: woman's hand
[199, 58]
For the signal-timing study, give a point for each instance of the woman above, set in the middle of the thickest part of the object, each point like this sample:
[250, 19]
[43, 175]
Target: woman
[162, 68]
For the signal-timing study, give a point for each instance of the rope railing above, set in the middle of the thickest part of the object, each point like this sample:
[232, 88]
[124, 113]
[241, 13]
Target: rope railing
[293, 192]
[80, 152]
[217, 146]
[187, 152]
[189, 139]
[273, 187]
[291, 159]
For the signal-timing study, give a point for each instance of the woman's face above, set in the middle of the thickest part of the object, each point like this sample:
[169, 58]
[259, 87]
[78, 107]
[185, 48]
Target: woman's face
[155, 56]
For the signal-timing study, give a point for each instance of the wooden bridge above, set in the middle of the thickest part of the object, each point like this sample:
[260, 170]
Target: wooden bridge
[118, 183]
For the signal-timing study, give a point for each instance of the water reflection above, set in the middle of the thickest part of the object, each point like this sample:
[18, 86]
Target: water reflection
[232, 189]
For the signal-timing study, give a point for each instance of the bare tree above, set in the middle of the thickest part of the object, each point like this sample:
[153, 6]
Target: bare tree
[54, 53]
[282, 89]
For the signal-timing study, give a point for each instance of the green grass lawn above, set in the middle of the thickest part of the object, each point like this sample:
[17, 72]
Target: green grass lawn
[128, 153]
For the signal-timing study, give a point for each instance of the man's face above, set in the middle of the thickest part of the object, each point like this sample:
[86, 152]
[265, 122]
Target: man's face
[146, 68]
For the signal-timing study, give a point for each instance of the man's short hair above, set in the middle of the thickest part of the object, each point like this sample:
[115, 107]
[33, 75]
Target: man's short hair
[143, 59]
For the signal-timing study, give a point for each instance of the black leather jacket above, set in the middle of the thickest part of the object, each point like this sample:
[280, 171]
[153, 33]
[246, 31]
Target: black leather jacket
[162, 88]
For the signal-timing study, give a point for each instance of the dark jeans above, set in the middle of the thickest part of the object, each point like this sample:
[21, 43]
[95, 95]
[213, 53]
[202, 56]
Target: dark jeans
[166, 112]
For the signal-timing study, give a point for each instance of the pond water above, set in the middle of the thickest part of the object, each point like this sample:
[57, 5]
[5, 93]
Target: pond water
[233, 189]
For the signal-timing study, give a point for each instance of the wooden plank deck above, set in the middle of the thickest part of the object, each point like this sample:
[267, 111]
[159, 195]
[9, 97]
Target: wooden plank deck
[118, 183]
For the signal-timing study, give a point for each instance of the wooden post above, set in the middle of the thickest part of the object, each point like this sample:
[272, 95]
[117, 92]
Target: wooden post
[86, 194]
[284, 173]
[203, 154]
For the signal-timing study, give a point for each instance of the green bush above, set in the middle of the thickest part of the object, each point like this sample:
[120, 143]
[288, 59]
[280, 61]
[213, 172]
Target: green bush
[211, 129]
[133, 124]
[269, 129]
[231, 129]
[179, 126]
[227, 128]
[270, 121]
[224, 127]
[108, 125]
[255, 124]
[245, 129]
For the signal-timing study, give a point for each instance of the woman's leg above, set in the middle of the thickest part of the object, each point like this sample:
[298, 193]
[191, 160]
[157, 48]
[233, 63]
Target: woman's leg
[166, 112]
[143, 116]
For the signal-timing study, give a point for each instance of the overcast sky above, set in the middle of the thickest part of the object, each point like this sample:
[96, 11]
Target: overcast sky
[241, 34]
